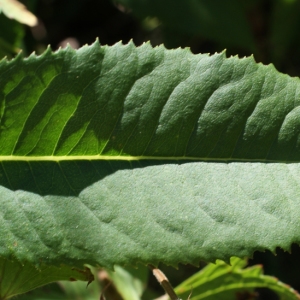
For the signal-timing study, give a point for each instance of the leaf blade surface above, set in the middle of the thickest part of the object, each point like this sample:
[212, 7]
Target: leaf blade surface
[119, 155]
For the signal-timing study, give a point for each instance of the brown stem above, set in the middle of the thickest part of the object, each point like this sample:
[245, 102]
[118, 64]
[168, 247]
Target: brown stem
[164, 282]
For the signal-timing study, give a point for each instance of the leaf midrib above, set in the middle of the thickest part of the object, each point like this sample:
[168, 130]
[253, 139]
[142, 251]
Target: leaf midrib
[136, 158]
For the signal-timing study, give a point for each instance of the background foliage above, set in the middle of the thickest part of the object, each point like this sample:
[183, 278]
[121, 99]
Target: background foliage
[268, 29]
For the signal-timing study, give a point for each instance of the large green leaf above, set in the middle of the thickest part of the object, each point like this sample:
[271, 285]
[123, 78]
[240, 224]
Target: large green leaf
[119, 155]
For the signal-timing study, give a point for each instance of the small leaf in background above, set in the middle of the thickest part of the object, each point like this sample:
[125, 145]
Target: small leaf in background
[79, 290]
[53, 291]
[226, 282]
[17, 278]
[130, 282]
[122, 283]
[13, 9]
[65, 290]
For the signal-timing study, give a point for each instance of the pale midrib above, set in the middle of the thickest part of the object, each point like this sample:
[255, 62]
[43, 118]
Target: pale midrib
[134, 158]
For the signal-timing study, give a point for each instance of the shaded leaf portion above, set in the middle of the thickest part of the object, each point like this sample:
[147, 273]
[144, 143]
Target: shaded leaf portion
[54, 291]
[119, 155]
[175, 212]
[17, 278]
[78, 290]
[64, 290]
[222, 281]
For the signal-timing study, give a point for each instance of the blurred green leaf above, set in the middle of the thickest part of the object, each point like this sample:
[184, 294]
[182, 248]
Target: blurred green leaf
[130, 282]
[51, 291]
[79, 290]
[65, 290]
[222, 281]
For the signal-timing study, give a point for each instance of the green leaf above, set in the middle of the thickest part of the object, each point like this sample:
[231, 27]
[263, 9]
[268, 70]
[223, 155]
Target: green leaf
[64, 290]
[78, 290]
[120, 155]
[52, 291]
[222, 21]
[13, 9]
[222, 281]
[130, 282]
[17, 278]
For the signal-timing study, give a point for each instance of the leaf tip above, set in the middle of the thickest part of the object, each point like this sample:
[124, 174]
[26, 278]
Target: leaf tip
[19, 56]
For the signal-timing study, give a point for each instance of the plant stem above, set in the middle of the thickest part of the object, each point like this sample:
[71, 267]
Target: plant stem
[164, 282]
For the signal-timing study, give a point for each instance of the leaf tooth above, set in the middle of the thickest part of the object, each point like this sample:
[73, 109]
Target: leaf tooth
[131, 42]
[4, 60]
[145, 45]
[163, 47]
[48, 52]
[32, 54]
[68, 46]
[289, 246]
[19, 56]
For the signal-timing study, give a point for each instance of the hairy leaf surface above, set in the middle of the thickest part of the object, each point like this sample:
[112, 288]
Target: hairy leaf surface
[124, 154]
